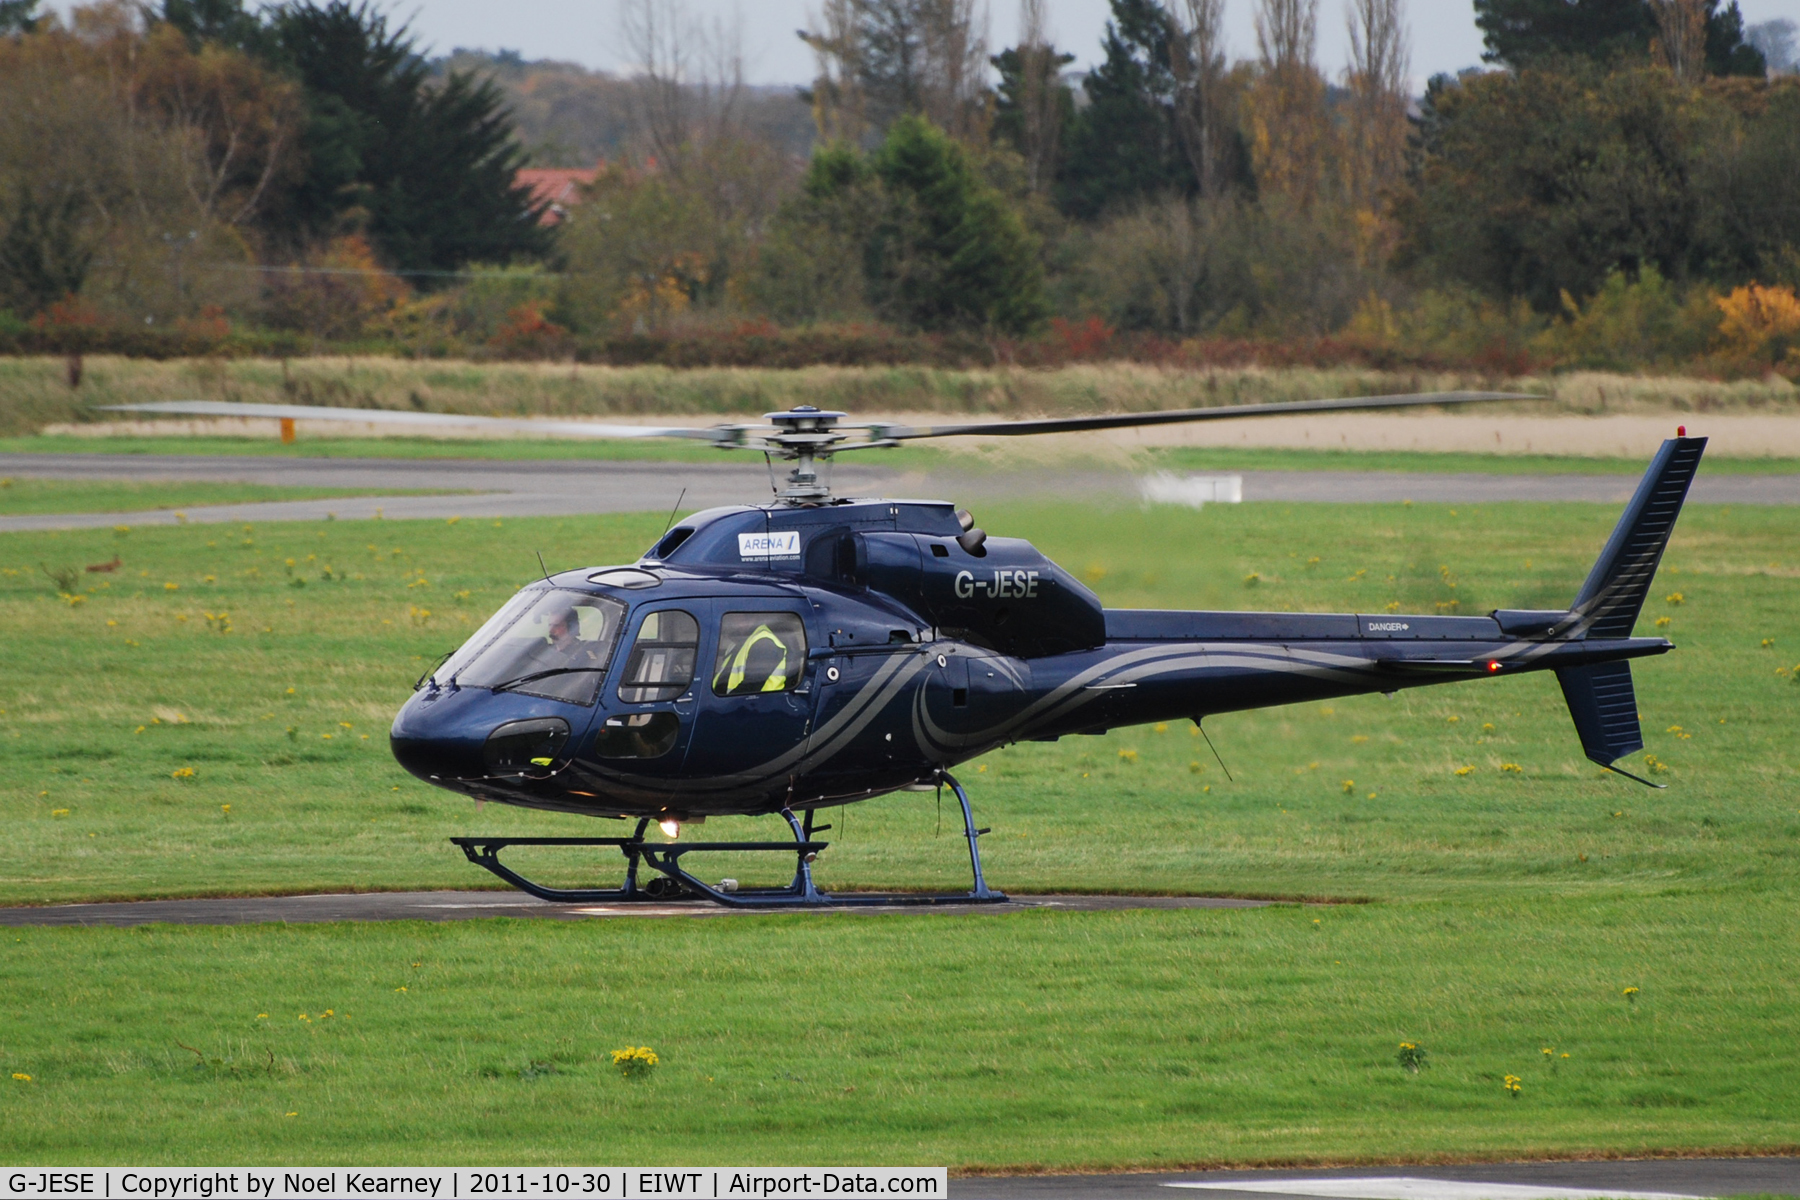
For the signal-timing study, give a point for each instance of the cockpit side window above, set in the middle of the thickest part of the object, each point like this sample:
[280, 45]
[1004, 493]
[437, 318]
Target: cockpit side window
[759, 652]
[661, 665]
[557, 647]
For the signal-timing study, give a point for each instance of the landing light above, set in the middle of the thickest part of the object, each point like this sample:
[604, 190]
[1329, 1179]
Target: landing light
[671, 828]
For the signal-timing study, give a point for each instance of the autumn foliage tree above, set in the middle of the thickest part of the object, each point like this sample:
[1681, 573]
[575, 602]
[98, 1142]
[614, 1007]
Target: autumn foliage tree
[133, 156]
[881, 60]
[244, 120]
[1287, 125]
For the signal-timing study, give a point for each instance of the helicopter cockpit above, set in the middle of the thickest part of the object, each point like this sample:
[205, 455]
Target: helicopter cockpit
[553, 643]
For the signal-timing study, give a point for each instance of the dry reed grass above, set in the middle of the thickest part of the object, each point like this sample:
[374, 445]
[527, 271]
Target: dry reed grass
[34, 392]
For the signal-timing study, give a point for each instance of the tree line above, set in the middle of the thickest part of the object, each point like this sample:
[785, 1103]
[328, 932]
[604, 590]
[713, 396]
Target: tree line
[141, 151]
[1619, 186]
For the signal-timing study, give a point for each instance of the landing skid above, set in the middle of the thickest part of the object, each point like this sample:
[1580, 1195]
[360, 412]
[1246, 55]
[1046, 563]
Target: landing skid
[672, 881]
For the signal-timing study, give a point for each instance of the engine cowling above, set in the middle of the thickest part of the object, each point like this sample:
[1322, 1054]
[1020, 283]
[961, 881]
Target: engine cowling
[1004, 594]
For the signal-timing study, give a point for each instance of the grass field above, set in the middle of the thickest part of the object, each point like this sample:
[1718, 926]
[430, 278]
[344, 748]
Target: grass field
[1506, 910]
[1144, 1039]
[26, 496]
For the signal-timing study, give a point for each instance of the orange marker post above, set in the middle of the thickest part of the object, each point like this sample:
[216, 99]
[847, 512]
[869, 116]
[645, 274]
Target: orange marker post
[287, 431]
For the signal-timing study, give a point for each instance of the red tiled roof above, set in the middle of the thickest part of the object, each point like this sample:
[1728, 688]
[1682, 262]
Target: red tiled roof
[557, 188]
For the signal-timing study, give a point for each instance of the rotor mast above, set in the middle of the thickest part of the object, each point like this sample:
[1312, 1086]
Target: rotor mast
[807, 437]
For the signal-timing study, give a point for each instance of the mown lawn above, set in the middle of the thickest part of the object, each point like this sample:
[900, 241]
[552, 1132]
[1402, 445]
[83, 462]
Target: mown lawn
[1039, 1039]
[1505, 910]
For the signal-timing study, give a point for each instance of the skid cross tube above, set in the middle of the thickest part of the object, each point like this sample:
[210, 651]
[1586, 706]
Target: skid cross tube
[665, 858]
[484, 852]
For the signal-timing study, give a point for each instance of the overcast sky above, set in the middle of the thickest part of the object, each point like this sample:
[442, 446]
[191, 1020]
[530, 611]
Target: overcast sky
[1444, 37]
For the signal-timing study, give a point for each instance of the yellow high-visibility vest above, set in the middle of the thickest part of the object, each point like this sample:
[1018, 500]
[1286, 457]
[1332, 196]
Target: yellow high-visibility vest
[777, 680]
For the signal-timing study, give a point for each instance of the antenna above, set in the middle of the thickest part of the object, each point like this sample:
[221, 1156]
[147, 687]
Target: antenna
[675, 510]
[1202, 728]
[541, 566]
[1661, 787]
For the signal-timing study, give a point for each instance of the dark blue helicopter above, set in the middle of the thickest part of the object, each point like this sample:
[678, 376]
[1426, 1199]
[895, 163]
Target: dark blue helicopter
[816, 651]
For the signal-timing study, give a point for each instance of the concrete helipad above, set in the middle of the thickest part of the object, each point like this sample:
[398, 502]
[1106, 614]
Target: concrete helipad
[1615, 1179]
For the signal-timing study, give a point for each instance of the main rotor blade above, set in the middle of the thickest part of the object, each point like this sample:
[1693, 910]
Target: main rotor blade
[417, 420]
[1179, 416]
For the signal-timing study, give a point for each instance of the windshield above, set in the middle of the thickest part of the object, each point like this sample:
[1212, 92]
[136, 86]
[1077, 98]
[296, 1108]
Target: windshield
[558, 646]
[446, 671]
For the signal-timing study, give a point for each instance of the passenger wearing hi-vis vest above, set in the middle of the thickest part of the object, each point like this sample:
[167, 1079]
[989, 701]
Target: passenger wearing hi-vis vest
[760, 665]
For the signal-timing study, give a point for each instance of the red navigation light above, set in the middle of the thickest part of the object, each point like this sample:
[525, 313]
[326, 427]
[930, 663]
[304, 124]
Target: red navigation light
[1493, 666]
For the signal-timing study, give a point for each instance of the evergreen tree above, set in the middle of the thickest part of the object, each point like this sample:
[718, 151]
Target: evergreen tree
[1727, 50]
[811, 265]
[1123, 145]
[949, 252]
[431, 166]
[221, 21]
[1524, 32]
[1034, 108]
[43, 253]
[18, 16]
[426, 168]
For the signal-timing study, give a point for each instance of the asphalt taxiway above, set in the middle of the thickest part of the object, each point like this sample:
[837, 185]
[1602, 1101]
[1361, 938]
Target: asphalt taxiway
[495, 488]
[1618, 1179]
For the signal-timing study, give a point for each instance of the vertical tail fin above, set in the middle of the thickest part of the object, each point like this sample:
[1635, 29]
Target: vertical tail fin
[1604, 705]
[1600, 696]
[1601, 699]
[1608, 604]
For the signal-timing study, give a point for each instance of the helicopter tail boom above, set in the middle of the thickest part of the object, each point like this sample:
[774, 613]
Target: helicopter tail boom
[1589, 645]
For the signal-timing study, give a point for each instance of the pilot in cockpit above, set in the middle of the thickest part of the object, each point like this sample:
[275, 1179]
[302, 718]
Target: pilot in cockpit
[564, 631]
[568, 647]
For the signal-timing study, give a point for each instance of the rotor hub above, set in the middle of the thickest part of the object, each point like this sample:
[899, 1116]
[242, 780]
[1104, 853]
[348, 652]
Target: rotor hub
[805, 435]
